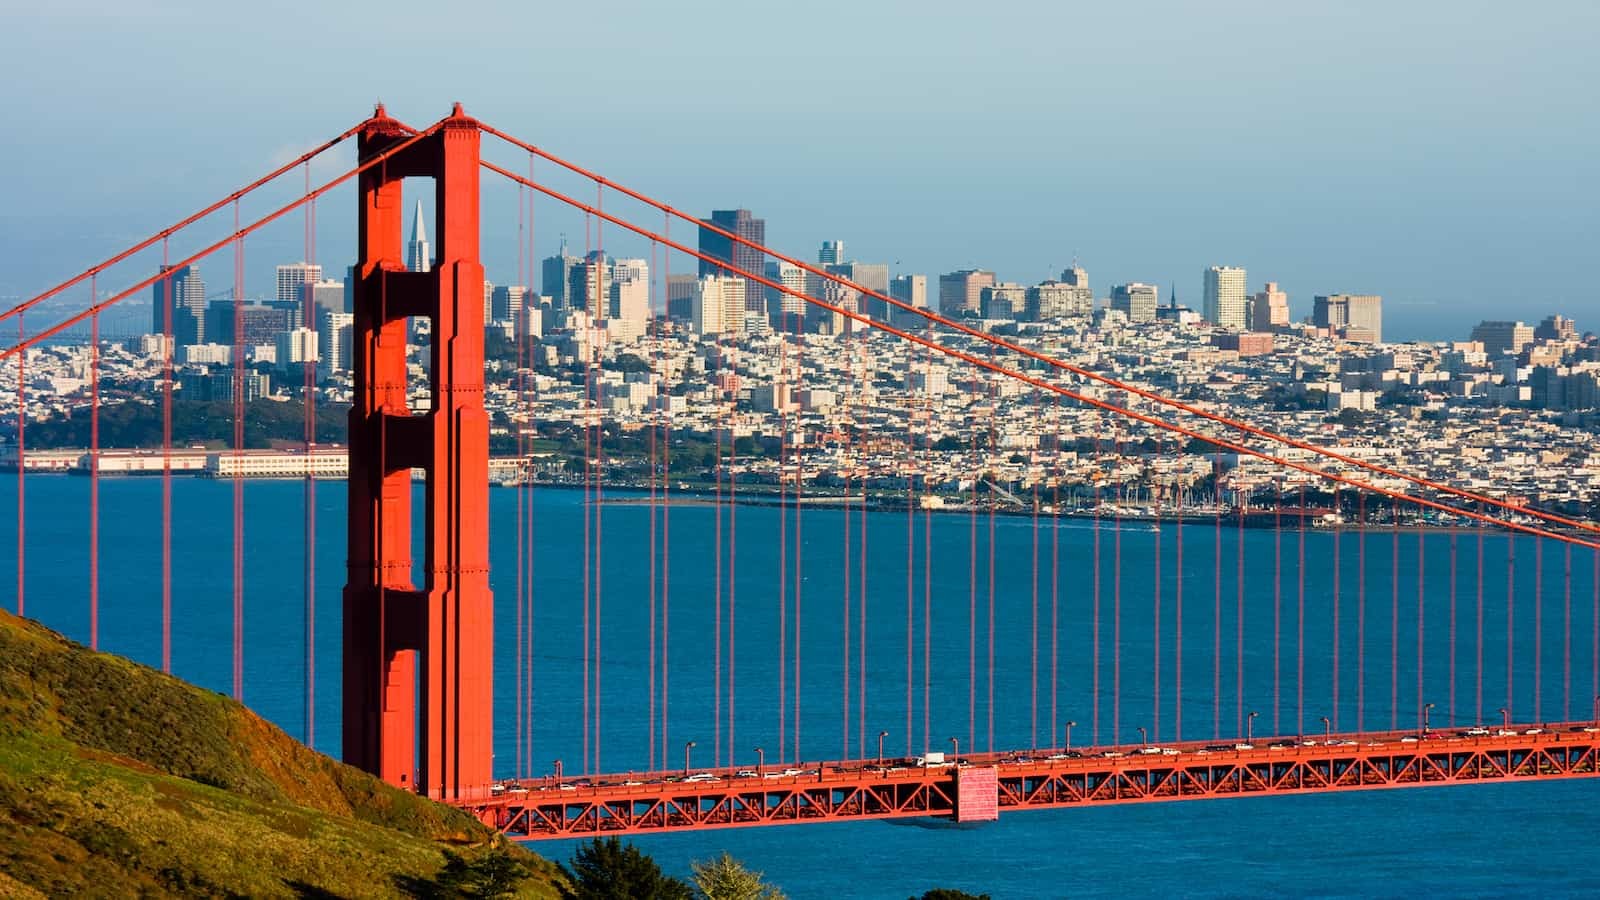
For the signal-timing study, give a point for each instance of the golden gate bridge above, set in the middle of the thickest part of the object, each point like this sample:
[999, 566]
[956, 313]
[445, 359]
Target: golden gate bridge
[417, 680]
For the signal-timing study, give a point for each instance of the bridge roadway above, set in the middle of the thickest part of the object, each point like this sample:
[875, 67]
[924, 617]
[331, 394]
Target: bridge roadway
[983, 785]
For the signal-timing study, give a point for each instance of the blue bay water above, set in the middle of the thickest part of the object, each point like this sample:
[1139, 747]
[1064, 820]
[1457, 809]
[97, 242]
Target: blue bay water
[1472, 841]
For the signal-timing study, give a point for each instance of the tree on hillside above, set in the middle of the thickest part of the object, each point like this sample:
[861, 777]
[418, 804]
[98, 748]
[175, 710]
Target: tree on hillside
[950, 894]
[725, 878]
[604, 869]
[494, 874]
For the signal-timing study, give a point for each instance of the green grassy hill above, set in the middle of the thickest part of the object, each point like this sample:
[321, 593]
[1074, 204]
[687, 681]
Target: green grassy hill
[116, 780]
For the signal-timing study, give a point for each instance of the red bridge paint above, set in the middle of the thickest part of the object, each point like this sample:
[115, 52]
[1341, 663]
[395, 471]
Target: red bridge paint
[978, 794]
[644, 803]
[444, 626]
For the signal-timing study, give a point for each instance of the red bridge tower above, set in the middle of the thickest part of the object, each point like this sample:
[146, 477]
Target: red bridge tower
[418, 671]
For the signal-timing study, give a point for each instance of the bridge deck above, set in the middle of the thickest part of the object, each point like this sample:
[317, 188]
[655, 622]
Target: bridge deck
[637, 804]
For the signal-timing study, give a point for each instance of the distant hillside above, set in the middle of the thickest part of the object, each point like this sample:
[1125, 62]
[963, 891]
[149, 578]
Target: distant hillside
[116, 780]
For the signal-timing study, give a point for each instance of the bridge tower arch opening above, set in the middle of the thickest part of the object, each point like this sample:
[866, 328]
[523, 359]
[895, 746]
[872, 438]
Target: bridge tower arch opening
[418, 660]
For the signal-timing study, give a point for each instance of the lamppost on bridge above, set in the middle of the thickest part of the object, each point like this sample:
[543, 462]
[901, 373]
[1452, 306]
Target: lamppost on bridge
[881, 736]
[1144, 738]
[558, 773]
[1597, 712]
[687, 746]
[1505, 719]
[955, 750]
[1069, 735]
[1250, 728]
[761, 761]
[1327, 730]
[1426, 708]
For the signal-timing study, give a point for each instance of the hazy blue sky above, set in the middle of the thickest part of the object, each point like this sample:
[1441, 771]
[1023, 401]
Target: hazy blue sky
[1444, 154]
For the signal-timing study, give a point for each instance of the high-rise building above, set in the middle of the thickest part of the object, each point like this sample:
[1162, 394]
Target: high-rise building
[1224, 296]
[1003, 301]
[782, 305]
[334, 332]
[871, 277]
[832, 253]
[911, 290]
[1356, 317]
[557, 276]
[218, 387]
[1502, 337]
[296, 347]
[823, 320]
[419, 255]
[292, 279]
[961, 293]
[505, 301]
[718, 305]
[325, 296]
[589, 285]
[744, 224]
[185, 292]
[253, 324]
[1556, 328]
[1136, 300]
[680, 296]
[629, 303]
[1051, 300]
[1269, 308]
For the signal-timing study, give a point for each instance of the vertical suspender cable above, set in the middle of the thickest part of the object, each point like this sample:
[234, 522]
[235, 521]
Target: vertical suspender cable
[845, 585]
[1394, 617]
[1094, 616]
[716, 575]
[1338, 540]
[521, 516]
[1511, 606]
[780, 393]
[1155, 602]
[1033, 634]
[1478, 718]
[309, 407]
[1454, 599]
[238, 460]
[1238, 649]
[994, 446]
[911, 535]
[599, 490]
[1566, 634]
[525, 491]
[1300, 624]
[1277, 609]
[861, 604]
[655, 428]
[22, 468]
[94, 472]
[733, 571]
[972, 604]
[1216, 614]
[167, 352]
[799, 545]
[1422, 569]
[1538, 627]
[1055, 593]
[927, 591]
[1361, 611]
[666, 522]
[1116, 621]
[593, 284]
[1178, 604]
